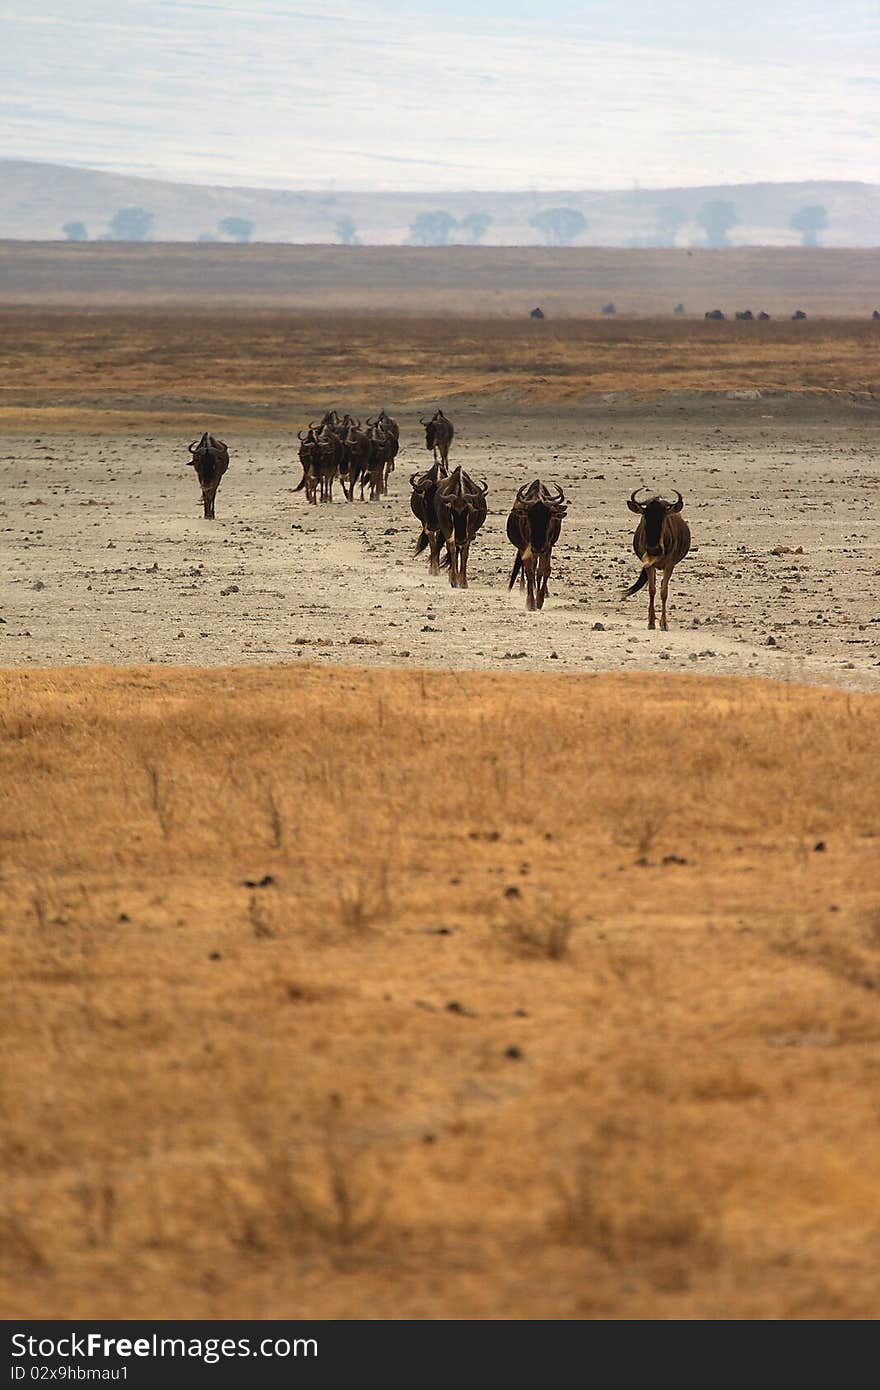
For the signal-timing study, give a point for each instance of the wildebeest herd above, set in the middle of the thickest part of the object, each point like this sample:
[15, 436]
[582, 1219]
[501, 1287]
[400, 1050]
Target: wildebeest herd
[451, 507]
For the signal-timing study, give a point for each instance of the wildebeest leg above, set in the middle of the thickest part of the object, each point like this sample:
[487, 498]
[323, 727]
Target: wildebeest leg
[664, 590]
[462, 564]
[543, 576]
[434, 544]
[529, 567]
[453, 562]
[652, 586]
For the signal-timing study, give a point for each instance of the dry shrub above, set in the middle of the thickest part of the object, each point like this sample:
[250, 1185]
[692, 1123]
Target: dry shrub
[365, 900]
[299, 1197]
[634, 1214]
[534, 932]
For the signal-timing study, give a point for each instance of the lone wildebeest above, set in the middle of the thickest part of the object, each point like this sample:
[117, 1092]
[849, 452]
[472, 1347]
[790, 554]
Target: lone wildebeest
[461, 510]
[438, 435]
[661, 539]
[210, 458]
[799, 314]
[536, 314]
[713, 314]
[533, 527]
[876, 315]
[424, 491]
[763, 314]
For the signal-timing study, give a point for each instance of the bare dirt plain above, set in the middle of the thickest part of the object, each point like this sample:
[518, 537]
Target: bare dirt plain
[546, 989]
[771, 436]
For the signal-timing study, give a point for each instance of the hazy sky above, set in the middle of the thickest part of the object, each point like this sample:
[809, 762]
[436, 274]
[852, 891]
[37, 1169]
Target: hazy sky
[410, 94]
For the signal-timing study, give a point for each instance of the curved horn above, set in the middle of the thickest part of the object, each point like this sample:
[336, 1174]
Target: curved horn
[561, 497]
[635, 506]
[192, 447]
[484, 488]
[300, 435]
[679, 504]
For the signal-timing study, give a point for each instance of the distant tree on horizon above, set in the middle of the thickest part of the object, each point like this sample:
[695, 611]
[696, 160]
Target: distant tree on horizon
[239, 228]
[75, 231]
[810, 221]
[474, 225]
[717, 218]
[559, 225]
[432, 229]
[130, 224]
[346, 231]
[669, 219]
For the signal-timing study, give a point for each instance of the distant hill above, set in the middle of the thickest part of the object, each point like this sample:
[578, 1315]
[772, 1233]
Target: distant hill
[38, 200]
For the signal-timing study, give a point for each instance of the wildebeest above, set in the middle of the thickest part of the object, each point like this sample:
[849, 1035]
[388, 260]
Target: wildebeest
[609, 308]
[461, 509]
[385, 432]
[357, 451]
[323, 455]
[799, 314]
[876, 314]
[438, 435]
[763, 314]
[536, 314]
[379, 461]
[533, 527]
[661, 539]
[210, 458]
[424, 491]
[744, 314]
[308, 457]
[713, 314]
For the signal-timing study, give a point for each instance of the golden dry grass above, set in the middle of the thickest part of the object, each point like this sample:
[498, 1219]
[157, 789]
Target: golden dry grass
[148, 369]
[385, 994]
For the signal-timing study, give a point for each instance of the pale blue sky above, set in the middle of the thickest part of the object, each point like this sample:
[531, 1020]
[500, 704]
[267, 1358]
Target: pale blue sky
[508, 94]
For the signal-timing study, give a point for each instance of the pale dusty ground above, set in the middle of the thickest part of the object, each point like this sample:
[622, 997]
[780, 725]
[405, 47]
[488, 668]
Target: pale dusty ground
[107, 558]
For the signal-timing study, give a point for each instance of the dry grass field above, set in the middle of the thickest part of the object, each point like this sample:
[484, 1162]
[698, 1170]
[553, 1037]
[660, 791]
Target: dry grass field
[400, 994]
[457, 280]
[149, 369]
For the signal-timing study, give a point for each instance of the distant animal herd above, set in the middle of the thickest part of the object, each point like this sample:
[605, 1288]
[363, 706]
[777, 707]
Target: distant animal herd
[451, 507]
[716, 314]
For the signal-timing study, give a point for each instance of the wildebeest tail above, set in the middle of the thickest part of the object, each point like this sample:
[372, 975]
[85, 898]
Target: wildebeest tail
[301, 484]
[422, 542]
[517, 566]
[639, 584]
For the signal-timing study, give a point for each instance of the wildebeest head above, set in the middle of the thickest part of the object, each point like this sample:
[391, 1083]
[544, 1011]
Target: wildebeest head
[430, 431]
[464, 504]
[428, 480]
[654, 512]
[541, 507]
